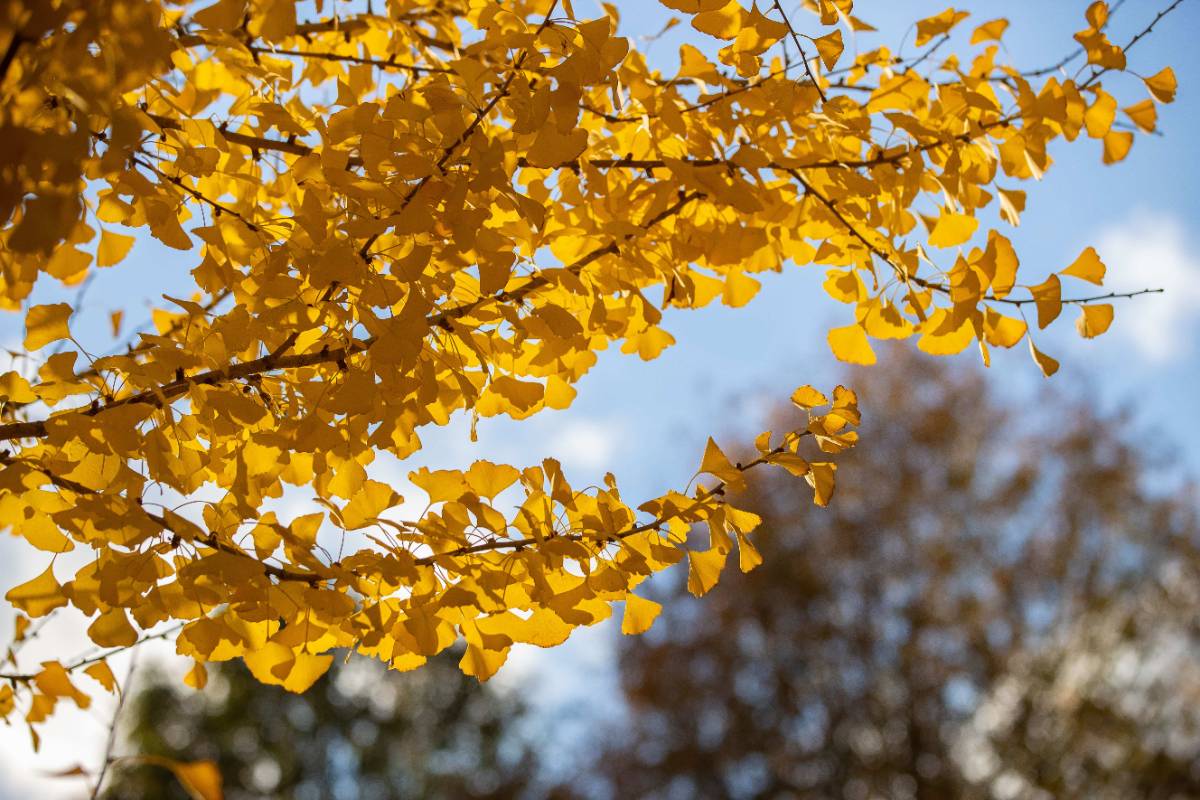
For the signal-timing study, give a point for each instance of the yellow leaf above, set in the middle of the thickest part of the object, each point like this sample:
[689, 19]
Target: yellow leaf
[112, 629]
[952, 229]
[1048, 297]
[1100, 114]
[224, 15]
[552, 148]
[748, 556]
[1002, 263]
[278, 664]
[559, 393]
[740, 289]
[808, 397]
[640, 614]
[1100, 51]
[1116, 146]
[1012, 203]
[368, 503]
[38, 597]
[15, 389]
[1045, 363]
[46, 324]
[481, 662]
[113, 248]
[820, 477]
[938, 342]
[1094, 320]
[1162, 85]
[989, 30]
[722, 23]
[1087, 267]
[1002, 331]
[201, 779]
[488, 480]
[717, 464]
[704, 570]
[53, 680]
[102, 674]
[197, 676]
[850, 344]
[938, 24]
[1143, 114]
[829, 48]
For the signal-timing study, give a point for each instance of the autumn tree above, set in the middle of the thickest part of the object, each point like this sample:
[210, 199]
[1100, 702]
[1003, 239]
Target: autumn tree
[423, 210]
[360, 732]
[1029, 628]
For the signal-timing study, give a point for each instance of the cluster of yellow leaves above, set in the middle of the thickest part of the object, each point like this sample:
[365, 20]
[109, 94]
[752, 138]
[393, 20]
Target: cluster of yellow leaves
[444, 209]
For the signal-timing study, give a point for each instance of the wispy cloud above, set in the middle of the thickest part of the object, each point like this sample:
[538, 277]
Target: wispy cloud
[1153, 250]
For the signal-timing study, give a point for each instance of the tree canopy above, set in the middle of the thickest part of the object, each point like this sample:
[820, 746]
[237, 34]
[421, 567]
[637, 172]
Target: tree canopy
[1026, 635]
[422, 210]
[361, 732]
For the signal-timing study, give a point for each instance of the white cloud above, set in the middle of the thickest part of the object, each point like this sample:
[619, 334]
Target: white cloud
[585, 444]
[1152, 251]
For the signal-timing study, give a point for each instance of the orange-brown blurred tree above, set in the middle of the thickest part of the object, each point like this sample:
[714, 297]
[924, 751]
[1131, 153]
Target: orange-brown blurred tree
[434, 208]
[956, 625]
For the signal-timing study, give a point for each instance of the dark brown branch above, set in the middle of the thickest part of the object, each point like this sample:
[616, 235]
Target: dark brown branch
[165, 393]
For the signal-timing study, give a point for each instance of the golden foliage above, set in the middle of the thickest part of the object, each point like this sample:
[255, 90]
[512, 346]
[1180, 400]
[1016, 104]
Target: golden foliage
[445, 209]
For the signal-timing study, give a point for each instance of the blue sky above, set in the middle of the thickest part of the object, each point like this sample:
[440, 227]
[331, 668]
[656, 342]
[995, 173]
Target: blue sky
[647, 422]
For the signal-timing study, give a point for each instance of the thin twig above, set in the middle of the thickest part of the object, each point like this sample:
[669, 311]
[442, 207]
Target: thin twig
[796, 40]
[122, 693]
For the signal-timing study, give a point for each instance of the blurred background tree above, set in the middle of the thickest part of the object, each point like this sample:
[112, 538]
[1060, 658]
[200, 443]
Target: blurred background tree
[361, 732]
[966, 541]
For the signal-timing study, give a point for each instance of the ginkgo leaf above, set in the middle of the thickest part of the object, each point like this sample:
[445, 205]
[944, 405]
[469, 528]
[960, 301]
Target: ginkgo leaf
[1100, 114]
[740, 289]
[1143, 114]
[15, 389]
[821, 477]
[717, 464]
[1116, 146]
[1003, 331]
[46, 324]
[552, 148]
[640, 614]
[938, 24]
[952, 229]
[1048, 297]
[102, 674]
[1094, 320]
[488, 480]
[850, 344]
[808, 397]
[197, 676]
[1162, 85]
[829, 48]
[202, 779]
[1045, 363]
[38, 597]
[722, 23]
[54, 680]
[113, 248]
[1087, 267]
[704, 570]
[994, 29]
[112, 629]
